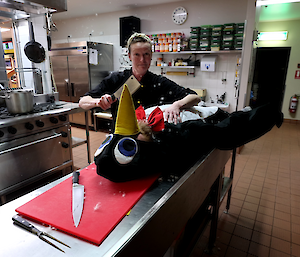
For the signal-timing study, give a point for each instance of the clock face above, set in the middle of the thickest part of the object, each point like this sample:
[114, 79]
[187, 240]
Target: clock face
[179, 15]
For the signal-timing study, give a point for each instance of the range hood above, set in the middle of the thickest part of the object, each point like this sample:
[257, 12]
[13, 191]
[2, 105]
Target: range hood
[21, 9]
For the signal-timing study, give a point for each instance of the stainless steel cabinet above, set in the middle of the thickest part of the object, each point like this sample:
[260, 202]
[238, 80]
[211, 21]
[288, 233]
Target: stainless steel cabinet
[79, 67]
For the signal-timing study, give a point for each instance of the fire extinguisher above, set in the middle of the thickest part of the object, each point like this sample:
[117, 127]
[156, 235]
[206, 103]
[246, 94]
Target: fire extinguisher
[293, 104]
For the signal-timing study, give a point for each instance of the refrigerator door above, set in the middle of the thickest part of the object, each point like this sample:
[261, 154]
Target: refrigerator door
[79, 76]
[61, 77]
[104, 63]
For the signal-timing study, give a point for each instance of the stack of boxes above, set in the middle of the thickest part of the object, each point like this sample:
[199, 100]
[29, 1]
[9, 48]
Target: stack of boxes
[239, 36]
[217, 37]
[194, 38]
[228, 36]
[205, 38]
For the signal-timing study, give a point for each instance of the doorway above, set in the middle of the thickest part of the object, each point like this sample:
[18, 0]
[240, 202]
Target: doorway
[269, 76]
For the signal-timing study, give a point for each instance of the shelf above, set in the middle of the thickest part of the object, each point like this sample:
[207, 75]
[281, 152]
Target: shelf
[76, 141]
[226, 185]
[202, 52]
[176, 67]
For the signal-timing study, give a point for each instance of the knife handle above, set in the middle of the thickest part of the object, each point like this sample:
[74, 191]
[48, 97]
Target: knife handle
[18, 220]
[113, 97]
[76, 176]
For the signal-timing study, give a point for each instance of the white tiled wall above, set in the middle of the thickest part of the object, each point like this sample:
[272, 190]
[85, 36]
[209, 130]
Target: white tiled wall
[226, 65]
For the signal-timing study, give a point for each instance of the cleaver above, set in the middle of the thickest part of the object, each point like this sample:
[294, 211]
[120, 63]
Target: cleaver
[132, 84]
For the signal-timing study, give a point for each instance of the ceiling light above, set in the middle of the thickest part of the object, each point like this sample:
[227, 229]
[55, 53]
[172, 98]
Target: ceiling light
[268, 2]
[4, 29]
[277, 35]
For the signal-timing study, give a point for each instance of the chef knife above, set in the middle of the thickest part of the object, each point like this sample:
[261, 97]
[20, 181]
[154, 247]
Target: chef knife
[77, 198]
[132, 84]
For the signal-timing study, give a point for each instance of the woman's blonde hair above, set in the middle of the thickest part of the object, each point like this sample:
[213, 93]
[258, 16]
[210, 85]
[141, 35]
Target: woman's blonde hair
[138, 37]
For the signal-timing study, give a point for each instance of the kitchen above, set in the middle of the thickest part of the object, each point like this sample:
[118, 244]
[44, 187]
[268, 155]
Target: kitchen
[107, 37]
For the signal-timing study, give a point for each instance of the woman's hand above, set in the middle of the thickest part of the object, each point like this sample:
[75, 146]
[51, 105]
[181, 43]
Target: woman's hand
[172, 113]
[104, 102]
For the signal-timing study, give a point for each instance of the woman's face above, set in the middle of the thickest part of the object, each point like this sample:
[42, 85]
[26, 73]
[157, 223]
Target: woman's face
[140, 55]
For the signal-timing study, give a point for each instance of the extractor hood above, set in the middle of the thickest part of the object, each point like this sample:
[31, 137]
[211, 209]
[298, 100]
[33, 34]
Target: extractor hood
[21, 9]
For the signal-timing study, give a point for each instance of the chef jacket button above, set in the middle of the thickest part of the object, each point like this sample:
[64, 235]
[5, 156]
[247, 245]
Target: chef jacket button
[142, 86]
[138, 101]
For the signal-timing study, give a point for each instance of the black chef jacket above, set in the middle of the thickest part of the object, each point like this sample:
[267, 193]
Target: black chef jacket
[155, 89]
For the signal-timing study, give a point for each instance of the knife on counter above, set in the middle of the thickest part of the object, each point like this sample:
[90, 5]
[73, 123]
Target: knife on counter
[77, 198]
[133, 85]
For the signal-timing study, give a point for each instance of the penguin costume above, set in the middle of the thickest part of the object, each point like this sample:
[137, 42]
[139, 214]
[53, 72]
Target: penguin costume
[175, 148]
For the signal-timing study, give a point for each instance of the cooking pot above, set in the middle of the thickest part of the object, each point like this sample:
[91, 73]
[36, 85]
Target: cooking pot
[34, 51]
[19, 101]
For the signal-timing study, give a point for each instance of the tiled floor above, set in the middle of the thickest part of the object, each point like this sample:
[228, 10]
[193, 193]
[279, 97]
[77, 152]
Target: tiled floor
[264, 216]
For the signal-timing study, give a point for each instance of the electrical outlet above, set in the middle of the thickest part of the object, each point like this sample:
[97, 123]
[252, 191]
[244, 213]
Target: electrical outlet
[69, 36]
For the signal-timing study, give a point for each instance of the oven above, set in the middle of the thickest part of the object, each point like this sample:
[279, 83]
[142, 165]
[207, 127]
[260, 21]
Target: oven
[32, 147]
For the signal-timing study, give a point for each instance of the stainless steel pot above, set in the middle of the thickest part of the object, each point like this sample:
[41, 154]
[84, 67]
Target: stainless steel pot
[19, 101]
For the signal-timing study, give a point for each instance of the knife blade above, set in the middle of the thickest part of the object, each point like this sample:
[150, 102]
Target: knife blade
[77, 198]
[132, 84]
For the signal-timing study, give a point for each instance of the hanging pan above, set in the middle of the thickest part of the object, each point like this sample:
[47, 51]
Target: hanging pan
[34, 51]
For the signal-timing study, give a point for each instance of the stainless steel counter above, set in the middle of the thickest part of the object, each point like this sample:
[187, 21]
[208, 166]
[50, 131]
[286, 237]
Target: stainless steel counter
[152, 226]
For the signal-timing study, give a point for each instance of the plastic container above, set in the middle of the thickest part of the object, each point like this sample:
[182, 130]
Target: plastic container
[204, 48]
[206, 27]
[229, 26]
[194, 37]
[239, 36]
[228, 32]
[216, 32]
[227, 47]
[194, 45]
[228, 43]
[204, 43]
[227, 37]
[216, 38]
[217, 27]
[159, 61]
[215, 42]
[205, 32]
[240, 25]
[238, 42]
[215, 48]
[205, 37]
[195, 29]
[238, 47]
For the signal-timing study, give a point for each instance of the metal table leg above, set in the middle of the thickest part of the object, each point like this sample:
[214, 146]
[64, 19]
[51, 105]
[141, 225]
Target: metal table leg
[87, 136]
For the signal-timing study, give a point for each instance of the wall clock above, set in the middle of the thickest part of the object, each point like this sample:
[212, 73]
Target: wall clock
[179, 15]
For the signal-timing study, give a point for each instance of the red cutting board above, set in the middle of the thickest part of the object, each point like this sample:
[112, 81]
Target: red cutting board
[105, 204]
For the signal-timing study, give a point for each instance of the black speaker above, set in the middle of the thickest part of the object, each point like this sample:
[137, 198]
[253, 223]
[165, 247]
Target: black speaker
[128, 25]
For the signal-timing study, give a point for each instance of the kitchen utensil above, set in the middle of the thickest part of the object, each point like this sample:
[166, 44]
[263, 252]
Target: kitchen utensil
[19, 101]
[77, 198]
[34, 51]
[132, 84]
[18, 220]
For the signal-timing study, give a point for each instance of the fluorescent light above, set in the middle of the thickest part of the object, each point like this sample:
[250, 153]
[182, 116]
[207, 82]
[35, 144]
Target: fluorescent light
[268, 2]
[4, 29]
[277, 35]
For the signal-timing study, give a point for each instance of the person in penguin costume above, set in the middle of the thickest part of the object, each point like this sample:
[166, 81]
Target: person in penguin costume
[143, 143]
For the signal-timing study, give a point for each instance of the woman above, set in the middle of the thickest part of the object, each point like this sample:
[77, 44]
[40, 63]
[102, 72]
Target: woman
[154, 90]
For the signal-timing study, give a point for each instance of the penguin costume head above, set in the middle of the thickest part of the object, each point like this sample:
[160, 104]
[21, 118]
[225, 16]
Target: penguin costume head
[122, 157]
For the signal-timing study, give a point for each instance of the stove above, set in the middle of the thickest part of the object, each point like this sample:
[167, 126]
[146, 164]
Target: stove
[33, 145]
[4, 114]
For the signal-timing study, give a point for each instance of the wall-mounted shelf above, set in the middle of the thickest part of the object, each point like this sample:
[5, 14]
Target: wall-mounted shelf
[202, 52]
[164, 70]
